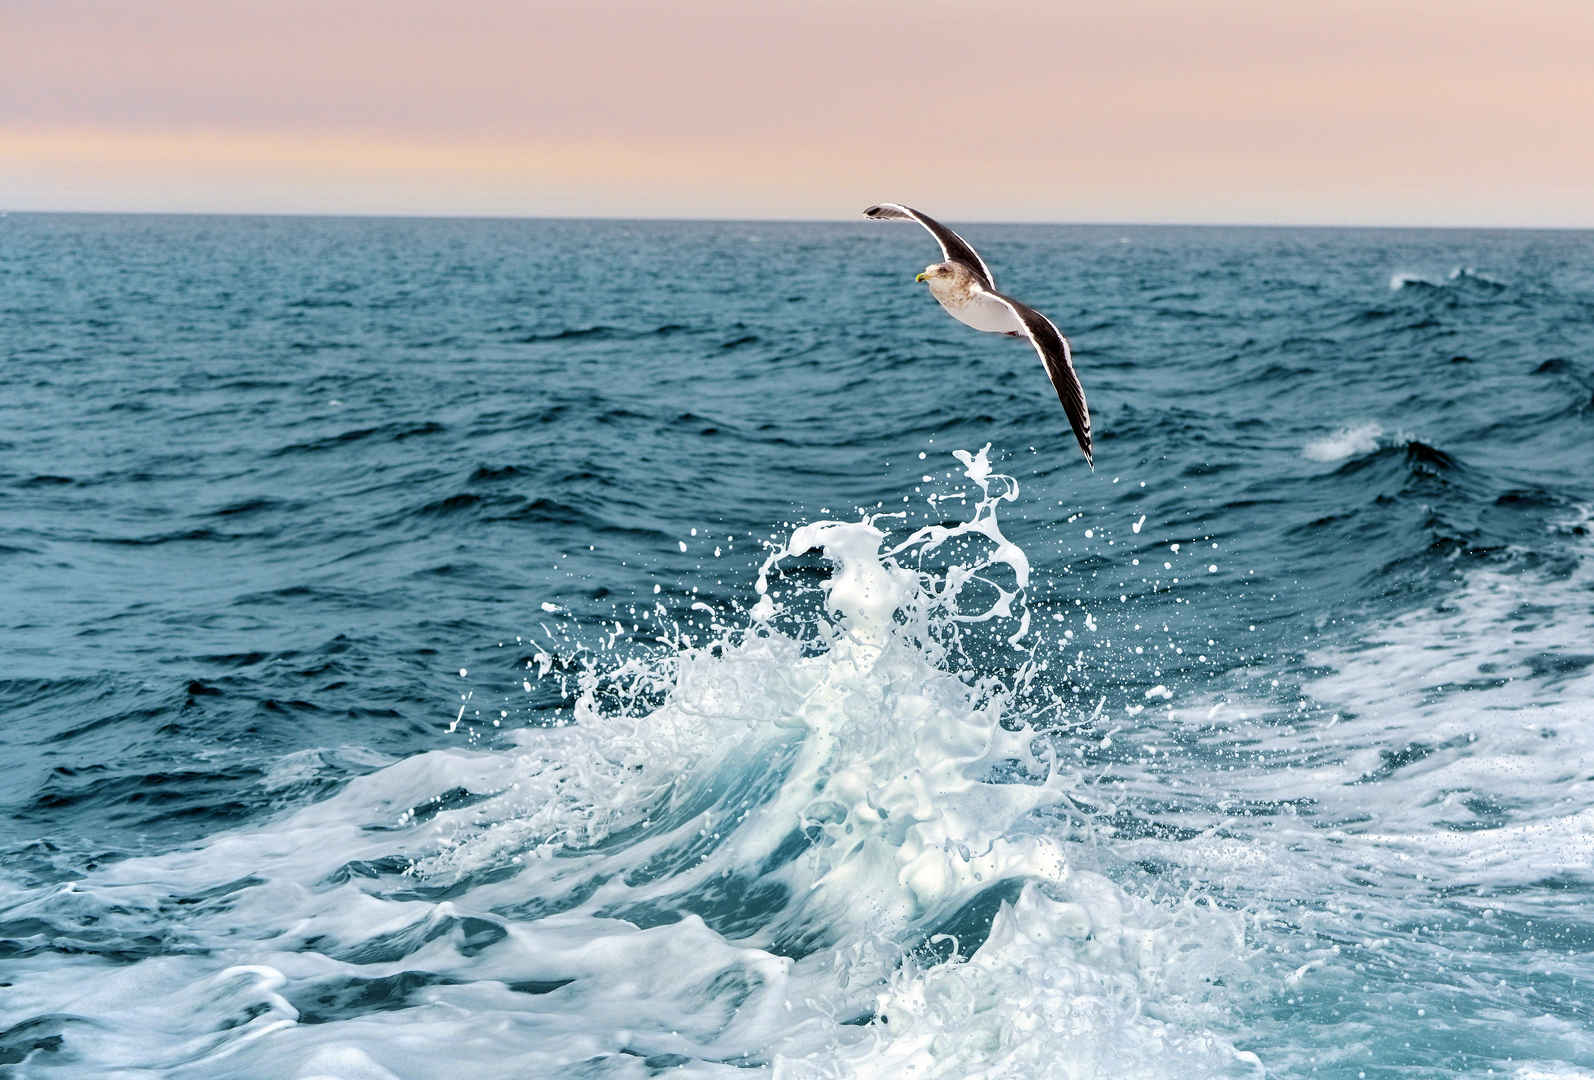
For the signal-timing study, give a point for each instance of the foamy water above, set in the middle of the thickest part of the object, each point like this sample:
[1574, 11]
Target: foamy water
[834, 840]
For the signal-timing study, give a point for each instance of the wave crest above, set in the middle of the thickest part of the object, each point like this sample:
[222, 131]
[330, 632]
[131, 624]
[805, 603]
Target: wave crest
[1348, 441]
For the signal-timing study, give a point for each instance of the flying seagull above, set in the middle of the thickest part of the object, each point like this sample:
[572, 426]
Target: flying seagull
[964, 286]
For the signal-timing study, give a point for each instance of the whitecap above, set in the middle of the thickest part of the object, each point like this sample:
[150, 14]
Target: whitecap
[1400, 279]
[1346, 442]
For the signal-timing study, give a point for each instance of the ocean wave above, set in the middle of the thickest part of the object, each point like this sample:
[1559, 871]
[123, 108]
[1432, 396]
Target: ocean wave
[571, 334]
[256, 505]
[398, 431]
[828, 837]
[493, 473]
[1364, 446]
[596, 332]
[1465, 277]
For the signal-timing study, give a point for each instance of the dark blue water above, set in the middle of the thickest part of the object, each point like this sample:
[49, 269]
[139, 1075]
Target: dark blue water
[383, 692]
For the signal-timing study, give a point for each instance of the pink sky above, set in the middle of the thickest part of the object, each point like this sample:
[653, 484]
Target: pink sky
[1402, 112]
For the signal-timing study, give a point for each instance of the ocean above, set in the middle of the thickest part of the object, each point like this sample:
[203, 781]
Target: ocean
[439, 648]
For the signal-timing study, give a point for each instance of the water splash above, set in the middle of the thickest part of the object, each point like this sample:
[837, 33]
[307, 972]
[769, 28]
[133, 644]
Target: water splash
[829, 841]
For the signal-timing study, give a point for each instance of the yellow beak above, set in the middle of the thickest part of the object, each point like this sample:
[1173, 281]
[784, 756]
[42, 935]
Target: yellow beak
[919, 278]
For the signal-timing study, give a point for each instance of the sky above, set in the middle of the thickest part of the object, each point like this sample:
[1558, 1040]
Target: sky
[1400, 112]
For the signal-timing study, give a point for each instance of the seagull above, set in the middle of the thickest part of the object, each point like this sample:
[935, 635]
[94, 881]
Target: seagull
[965, 287]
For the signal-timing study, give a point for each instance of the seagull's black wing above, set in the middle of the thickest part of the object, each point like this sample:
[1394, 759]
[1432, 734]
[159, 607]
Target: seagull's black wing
[953, 246]
[1059, 360]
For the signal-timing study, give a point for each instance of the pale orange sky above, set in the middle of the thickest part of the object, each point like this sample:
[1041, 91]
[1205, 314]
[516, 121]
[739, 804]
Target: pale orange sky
[1402, 112]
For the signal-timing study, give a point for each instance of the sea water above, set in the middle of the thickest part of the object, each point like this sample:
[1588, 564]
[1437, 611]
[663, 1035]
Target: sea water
[624, 649]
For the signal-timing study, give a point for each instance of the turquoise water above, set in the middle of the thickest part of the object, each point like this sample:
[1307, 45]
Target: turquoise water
[422, 653]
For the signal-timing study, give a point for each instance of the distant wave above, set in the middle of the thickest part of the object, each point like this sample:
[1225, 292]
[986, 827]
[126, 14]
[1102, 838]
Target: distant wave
[598, 332]
[395, 432]
[570, 333]
[1402, 278]
[1478, 277]
[1459, 275]
[486, 473]
[1346, 442]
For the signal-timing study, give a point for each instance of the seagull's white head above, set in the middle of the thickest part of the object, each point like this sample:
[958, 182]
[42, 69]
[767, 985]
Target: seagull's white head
[947, 278]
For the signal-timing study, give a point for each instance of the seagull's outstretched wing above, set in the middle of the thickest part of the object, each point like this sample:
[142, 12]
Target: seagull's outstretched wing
[953, 246]
[1059, 361]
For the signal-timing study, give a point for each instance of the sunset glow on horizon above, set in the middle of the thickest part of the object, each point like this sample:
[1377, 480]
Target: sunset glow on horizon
[1150, 111]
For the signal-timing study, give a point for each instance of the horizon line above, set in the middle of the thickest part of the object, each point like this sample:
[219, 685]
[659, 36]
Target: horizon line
[684, 219]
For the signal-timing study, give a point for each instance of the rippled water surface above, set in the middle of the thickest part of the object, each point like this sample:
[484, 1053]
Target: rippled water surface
[562, 649]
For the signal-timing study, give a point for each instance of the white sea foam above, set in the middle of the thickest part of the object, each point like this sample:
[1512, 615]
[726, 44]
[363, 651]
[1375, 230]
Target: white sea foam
[1348, 441]
[1510, 646]
[754, 853]
[1439, 759]
[1048, 981]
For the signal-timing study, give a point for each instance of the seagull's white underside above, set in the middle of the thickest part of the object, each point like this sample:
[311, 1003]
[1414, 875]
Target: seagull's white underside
[977, 308]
